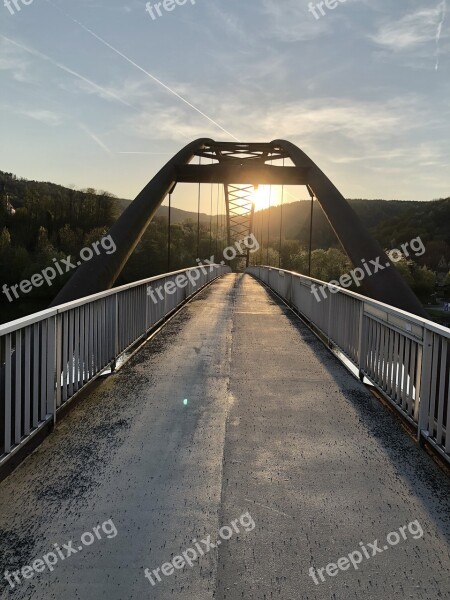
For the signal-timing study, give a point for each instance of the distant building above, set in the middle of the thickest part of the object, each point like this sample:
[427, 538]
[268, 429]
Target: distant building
[4, 199]
[9, 207]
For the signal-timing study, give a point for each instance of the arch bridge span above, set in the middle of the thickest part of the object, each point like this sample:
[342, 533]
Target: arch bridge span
[240, 167]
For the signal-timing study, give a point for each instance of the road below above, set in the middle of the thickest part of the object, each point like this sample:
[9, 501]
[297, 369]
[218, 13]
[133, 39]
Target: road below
[233, 416]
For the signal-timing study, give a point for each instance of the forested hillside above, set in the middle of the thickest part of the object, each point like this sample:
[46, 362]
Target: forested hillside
[390, 222]
[44, 222]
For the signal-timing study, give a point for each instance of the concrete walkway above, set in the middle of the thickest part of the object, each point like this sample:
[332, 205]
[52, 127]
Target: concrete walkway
[235, 415]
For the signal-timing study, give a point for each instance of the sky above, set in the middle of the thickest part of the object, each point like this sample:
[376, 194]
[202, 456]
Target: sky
[97, 93]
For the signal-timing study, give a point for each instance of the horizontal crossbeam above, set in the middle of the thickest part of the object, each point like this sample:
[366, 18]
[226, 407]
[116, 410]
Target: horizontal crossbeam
[251, 174]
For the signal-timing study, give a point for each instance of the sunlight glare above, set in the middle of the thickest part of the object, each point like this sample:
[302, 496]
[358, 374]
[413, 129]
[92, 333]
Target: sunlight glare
[262, 197]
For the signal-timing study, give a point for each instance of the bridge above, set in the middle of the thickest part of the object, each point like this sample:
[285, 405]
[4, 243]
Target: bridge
[231, 436]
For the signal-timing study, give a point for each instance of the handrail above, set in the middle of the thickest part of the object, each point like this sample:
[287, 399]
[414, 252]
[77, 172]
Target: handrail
[406, 357]
[49, 357]
[370, 301]
[49, 312]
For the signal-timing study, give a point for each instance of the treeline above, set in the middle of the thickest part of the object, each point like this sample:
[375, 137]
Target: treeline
[392, 223]
[40, 222]
[330, 264]
[151, 256]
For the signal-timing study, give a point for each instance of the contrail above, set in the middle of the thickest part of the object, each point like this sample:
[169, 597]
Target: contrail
[66, 70]
[55, 63]
[155, 79]
[443, 8]
[96, 139]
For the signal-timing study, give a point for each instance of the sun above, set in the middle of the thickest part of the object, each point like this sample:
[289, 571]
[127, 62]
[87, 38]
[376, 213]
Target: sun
[263, 197]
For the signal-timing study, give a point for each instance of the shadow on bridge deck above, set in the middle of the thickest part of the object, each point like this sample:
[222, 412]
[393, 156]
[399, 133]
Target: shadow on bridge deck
[273, 425]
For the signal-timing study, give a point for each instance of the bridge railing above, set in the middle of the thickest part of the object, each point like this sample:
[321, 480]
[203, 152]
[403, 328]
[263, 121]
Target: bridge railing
[405, 357]
[47, 357]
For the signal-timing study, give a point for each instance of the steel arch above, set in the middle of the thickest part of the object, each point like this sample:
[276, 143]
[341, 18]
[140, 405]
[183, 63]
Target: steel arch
[243, 164]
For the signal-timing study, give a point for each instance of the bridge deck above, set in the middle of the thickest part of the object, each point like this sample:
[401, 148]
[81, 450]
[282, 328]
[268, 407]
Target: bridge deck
[273, 425]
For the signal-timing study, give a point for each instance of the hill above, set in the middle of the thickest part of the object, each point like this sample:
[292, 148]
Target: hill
[41, 222]
[391, 222]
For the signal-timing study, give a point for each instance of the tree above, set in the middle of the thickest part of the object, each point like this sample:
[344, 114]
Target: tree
[424, 282]
[404, 267]
[421, 279]
[5, 255]
[3, 206]
[69, 240]
[5, 240]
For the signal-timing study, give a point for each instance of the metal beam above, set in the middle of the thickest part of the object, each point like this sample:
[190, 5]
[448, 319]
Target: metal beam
[101, 272]
[386, 285]
[251, 174]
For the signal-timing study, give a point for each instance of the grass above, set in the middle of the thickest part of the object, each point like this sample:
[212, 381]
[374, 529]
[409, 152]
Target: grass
[438, 316]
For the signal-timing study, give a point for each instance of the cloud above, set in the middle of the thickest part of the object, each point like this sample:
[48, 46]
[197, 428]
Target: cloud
[99, 89]
[230, 22]
[425, 155]
[345, 117]
[443, 9]
[411, 31]
[43, 116]
[105, 92]
[322, 120]
[12, 59]
[290, 21]
[161, 122]
[160, 83]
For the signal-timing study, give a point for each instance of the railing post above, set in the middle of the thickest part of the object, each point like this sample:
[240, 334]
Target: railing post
[116, 332]
[423, 393]
[361, 344]
[330, 316]
[289, 288]
[51, 351]
[146, 300]
[8, 394]
[58, 363]
[418, 383]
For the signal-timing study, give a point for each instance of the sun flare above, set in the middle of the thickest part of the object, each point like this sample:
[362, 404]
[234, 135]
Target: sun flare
[263, 197]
